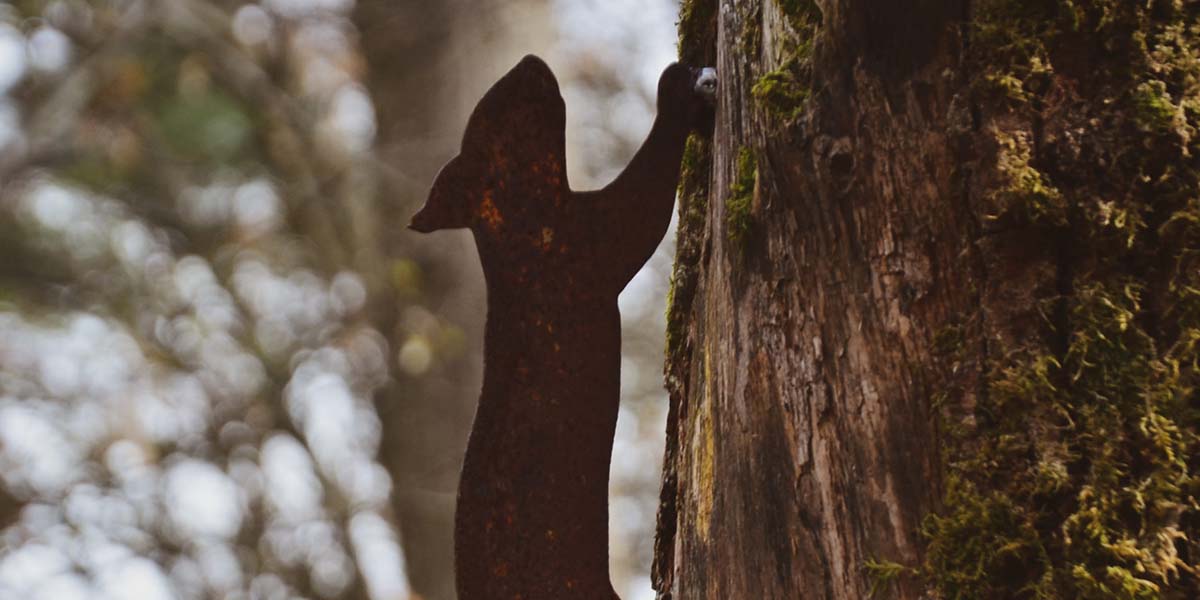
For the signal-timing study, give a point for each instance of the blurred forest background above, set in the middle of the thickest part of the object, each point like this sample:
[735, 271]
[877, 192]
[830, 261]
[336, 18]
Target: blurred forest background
[226, 369]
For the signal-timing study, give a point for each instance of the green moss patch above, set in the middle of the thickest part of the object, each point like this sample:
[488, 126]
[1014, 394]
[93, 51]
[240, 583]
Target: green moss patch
[1072, 471]
[738, 218]
[1153, 107]
[1025, 193]
[689, 242]
[884, 574]
[780, 93]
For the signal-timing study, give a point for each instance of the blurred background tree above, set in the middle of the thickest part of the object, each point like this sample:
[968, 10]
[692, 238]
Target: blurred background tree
[226, 369]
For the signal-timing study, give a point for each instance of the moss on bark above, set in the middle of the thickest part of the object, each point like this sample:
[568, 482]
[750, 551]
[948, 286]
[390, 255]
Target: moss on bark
[738, 218]
[1074, 475]
[689, 236]
[783, 91]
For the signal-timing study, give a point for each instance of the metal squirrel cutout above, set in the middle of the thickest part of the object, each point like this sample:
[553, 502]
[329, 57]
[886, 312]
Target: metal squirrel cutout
[532, 515]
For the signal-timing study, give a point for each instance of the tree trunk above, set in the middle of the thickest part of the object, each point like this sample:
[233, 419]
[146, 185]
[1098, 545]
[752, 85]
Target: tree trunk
[934, 315]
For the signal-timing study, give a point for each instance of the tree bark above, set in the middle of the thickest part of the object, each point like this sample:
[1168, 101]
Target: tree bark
[928, 292]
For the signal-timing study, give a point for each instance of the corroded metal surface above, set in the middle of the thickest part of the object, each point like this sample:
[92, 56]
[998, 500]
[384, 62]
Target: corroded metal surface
[532, 515]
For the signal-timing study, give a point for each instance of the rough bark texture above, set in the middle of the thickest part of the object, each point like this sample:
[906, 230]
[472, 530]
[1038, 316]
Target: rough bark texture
[930, 329]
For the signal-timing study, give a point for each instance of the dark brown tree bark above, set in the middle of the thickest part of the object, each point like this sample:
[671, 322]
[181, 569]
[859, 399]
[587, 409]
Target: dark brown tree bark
[801, 434]
[928, 295]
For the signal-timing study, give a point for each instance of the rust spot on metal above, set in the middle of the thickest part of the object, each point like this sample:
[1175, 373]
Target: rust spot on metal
[533, 497]
[489, 213]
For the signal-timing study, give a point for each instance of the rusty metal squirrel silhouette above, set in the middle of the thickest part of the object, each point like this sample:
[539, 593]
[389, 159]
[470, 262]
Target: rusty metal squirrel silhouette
[532, 515]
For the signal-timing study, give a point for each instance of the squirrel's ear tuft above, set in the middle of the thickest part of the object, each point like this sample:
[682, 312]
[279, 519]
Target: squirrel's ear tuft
[449, 205]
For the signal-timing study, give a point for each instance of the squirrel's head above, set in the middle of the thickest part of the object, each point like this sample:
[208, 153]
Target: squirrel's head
[511, 164]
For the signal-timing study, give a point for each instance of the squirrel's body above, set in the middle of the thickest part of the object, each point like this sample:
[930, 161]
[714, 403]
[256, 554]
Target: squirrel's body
[532, 513]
